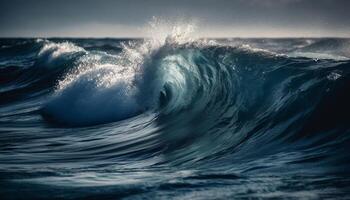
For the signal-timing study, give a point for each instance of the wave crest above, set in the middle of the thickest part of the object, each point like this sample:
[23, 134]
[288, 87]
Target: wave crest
[52, 53]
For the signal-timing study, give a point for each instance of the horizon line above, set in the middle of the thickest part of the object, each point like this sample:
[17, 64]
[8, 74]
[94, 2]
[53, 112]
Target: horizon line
[229, 37]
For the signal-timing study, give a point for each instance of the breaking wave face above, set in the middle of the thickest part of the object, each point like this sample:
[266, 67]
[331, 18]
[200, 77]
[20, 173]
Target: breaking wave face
[174, 116]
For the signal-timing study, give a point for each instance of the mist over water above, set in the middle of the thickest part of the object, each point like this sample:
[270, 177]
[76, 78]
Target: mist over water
[174, 116]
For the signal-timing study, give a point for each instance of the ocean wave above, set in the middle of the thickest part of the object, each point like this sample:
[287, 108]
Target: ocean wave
[164, 75]
[195, 86]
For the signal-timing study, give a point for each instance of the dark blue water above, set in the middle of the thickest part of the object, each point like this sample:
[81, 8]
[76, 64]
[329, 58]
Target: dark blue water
[171, 119]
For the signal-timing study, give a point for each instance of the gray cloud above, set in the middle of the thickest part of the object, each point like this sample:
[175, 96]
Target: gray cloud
[109, 18]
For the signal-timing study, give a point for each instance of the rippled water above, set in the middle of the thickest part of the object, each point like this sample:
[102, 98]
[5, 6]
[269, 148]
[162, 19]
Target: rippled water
[174, 118]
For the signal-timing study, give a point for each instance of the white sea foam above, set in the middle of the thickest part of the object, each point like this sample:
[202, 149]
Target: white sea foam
[103, 87]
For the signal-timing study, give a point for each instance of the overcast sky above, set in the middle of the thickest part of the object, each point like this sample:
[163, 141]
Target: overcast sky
[214, 18]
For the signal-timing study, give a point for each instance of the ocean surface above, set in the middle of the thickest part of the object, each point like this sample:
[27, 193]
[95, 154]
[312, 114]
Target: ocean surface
[175, 118]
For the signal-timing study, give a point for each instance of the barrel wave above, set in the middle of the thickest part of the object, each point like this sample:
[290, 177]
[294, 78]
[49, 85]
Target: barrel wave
[174, 118]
